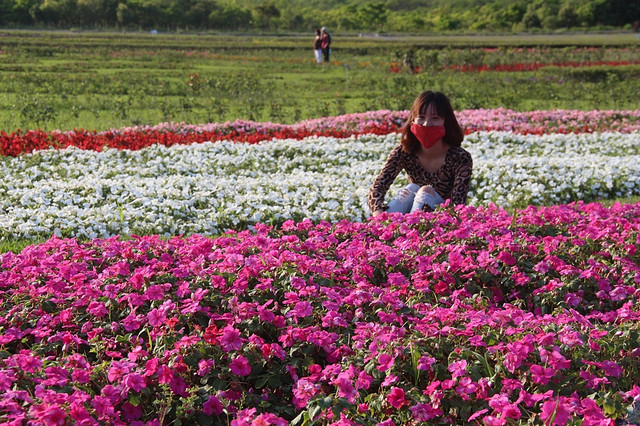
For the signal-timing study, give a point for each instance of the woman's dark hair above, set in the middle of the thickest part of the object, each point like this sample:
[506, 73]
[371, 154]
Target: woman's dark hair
[454, 134]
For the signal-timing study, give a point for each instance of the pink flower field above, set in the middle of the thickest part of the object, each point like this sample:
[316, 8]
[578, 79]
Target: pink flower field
[466, 315]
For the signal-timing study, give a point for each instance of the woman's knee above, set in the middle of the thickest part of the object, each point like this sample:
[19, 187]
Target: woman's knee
[426, 190]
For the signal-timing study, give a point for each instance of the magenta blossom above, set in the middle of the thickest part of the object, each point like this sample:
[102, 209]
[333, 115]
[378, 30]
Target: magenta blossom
[556, 412]
[212, 406]
[396, 398]
[240, 366]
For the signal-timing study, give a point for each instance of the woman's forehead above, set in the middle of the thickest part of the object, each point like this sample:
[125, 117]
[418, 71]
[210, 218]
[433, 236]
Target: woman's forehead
[429, 109]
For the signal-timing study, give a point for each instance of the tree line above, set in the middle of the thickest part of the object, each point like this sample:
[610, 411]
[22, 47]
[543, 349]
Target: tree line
[304, 15]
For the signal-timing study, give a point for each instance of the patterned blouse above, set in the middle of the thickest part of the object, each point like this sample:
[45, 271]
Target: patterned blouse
[451, 181]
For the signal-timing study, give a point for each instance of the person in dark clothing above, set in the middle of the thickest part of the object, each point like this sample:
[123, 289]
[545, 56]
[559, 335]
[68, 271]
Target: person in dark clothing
[325, 44]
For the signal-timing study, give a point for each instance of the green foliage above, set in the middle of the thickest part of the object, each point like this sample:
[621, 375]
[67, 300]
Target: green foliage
[297, 15]
[96, 81]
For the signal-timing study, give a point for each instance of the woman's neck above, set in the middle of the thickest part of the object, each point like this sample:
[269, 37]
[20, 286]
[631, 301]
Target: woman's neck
[439, 149]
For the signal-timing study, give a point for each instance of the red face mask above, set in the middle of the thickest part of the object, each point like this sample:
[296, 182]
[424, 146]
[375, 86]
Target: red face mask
[428, 135]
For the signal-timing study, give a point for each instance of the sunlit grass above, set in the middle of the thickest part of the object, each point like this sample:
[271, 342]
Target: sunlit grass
[95, 81]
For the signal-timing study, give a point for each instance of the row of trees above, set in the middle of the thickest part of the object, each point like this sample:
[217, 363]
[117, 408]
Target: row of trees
[296, 15]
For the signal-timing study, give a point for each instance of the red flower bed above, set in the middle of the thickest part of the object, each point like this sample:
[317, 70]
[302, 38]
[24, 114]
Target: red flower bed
[19, 142]
[536, 66]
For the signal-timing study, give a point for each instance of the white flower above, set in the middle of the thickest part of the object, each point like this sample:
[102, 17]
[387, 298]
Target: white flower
[210, 187]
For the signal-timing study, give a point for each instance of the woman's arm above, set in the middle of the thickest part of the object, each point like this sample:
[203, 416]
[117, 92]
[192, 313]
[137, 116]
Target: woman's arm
[383, 181]
[462, 179]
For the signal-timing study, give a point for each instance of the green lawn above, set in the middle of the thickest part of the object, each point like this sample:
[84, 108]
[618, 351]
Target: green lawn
[63, 80]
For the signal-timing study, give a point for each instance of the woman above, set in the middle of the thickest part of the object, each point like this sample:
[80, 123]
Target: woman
[317, 46]
[430, 152]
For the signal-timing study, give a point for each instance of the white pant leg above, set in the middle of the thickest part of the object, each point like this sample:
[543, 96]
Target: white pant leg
[402, 202]
[318, 53]
[426, 195]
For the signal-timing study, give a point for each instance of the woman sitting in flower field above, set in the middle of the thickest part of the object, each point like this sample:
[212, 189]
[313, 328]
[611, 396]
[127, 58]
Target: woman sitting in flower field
[429, 150]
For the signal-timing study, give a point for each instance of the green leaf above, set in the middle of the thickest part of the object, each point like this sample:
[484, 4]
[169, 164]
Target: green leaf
[609, 406]
[314, 412]
[192, 359]
[275, 381]
[204, 420]
[301, 419]
[261, 382]
[134, 399]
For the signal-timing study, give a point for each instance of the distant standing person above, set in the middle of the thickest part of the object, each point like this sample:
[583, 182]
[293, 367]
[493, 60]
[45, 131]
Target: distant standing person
[326, 43]
[317, 46]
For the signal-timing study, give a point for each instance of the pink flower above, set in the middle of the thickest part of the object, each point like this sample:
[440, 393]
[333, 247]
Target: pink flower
[204, 366]
[156, 317]
[425, 363]
[97, 309]
[81, 376]
[119, 369]
[558, 361]
[78, 413]
[6, 379]
[301, 310]
[231, 340]
[240, 366]
[212, 406]
[269, 419]
[507, 258]
[137, 353]
[389, 380]
[476, 415]
[178, 385]
[103, 406]
[29, 363]
[56, 376]
[151, 366]
[385, 362]
[396, 398]
[611, 368]
[135, 381]
[465, 387]
[458, 369]
[164, 374]
[425, 412]
[53, 415]
[541, 375]
[510, 411]
[304, 391]
[364, 380]
[345, 387]
[493, 421]
[113, 395]
[555, 412]
[131, 412]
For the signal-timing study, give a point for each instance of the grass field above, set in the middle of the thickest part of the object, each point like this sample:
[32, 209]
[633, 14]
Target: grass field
[66, 80]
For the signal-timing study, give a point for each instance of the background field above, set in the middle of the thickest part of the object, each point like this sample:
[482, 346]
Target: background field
[65, 80]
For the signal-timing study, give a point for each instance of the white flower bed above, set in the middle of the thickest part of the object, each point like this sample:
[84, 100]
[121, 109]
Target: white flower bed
[207, 188]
